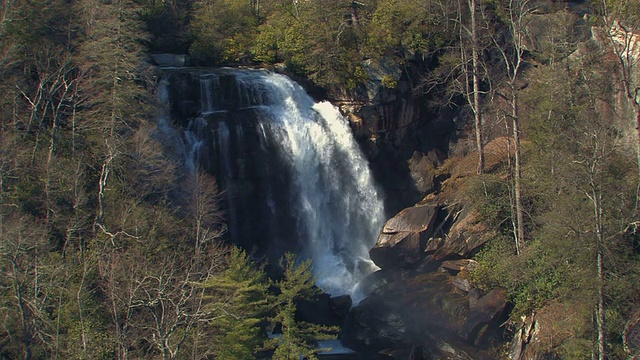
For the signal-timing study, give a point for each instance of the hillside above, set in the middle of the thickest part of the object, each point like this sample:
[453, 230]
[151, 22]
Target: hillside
[504, 135]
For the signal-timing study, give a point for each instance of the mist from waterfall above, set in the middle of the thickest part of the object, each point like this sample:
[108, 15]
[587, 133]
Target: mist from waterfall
[316, 183]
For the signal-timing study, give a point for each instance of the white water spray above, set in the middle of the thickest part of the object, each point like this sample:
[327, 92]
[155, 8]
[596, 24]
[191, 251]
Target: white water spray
[331, 194]
[339, 206]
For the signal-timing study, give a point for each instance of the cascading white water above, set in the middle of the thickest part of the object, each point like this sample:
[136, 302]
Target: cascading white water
[185, 148]
[208, 88]
[339, 207]
[330, 192]
[193, 142]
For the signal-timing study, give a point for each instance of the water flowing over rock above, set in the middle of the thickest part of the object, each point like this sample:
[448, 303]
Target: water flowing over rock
[293, 177]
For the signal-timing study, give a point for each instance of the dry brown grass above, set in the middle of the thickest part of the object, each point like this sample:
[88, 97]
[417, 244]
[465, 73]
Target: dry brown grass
[463, 168]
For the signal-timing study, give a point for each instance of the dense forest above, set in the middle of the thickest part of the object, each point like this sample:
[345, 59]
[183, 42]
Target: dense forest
[110, 249]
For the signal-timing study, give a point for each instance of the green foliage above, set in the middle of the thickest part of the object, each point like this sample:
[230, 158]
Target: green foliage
[223, 31]
[265, 48]
[389, 81]
[237, 303]
[293, 48]
[490, 195]
[167, 22]
[574, 158]
[493, 270]
[391, 22]
[313, 39]
[406, 28]
[546, 271]
[575, 349]
[297, 338]
[360, 74]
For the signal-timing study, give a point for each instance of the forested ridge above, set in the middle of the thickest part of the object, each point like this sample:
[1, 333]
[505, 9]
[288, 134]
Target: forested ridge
[110, 248]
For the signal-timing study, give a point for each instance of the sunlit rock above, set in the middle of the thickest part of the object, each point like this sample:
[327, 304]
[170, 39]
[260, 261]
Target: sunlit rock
[404, 237]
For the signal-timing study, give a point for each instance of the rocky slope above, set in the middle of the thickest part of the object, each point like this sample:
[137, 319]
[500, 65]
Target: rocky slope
[422, 304]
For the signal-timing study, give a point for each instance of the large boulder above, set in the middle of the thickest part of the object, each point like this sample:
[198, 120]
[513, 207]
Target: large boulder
[422, 169]
[450, 349]
[414, 219]
[487, 309]
[324, 309]
[171, 60]
[404, 237]
[466, 235]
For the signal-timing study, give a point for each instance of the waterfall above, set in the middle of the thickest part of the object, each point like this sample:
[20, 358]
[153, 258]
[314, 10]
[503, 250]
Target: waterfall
[186, 148]
[193, 141]
[294, 176]
[209, 86]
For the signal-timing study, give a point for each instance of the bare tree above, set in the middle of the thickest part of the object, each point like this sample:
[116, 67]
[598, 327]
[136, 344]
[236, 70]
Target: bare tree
[32, 284]
[463, 73]
[470, 88]
[171, 302]
[47, 103]
[512, 53]
[157, 300]
[475, 65]
[204, 209]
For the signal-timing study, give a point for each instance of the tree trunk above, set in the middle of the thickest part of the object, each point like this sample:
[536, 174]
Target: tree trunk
[48, 170]
[600, 316]
[102, 185]
[519, 236]
[2, 202]
[26, 336]
[355, 17]
[636, 107]
[596, 198]
[83, 332]
[476, 88]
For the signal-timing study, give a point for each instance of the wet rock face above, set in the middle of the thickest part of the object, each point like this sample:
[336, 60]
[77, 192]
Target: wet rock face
[211, 107]
[397, 131]
[425, 311]
[324, 309]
